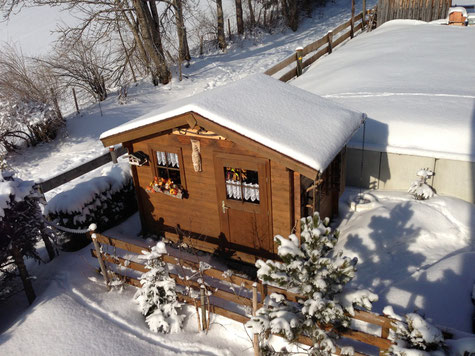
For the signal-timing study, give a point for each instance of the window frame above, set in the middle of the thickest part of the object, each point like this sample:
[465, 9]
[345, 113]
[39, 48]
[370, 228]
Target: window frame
[154, 166]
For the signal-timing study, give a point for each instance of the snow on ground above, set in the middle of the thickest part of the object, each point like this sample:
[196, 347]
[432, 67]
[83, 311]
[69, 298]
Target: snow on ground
[416, 255]
[75, 315]
[415, 82]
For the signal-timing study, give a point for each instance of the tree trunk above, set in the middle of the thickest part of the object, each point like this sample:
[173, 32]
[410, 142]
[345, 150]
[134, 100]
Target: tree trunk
[290, 13]
[183, 49]
[25, 278]
[252, 18]
[239, 20]
[48, 245]
[220, 15]
[150, 36]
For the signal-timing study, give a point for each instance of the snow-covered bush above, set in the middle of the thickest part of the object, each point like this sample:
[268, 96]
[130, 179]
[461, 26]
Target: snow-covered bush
[419, 188]
[157, 298]
[413, 335]
[318, 273]
[26, 123]
[105, 200]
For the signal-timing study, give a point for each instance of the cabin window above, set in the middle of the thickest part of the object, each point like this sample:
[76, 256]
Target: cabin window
[242, 185]
[168, 166]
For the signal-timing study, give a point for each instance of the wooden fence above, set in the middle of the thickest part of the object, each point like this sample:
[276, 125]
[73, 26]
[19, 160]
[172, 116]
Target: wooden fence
[84, 168]
[222, 286]
[425, 10]
[310, 53]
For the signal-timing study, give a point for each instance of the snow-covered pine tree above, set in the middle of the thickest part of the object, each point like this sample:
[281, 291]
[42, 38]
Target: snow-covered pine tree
[413, 335]
[419, 189]
[157, 298]
[318, 273]
[21, 227]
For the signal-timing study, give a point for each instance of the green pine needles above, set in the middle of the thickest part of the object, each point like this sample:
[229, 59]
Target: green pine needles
[314, 270]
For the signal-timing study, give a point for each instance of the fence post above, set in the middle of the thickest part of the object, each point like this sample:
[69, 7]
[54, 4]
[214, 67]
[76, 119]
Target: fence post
[352, 30]
[363, 20]
[330, 41]
[384, 335]
[76, 101]
[113, 154]
[255, 341]
[97, 247]
[203, 307]
[298, 55]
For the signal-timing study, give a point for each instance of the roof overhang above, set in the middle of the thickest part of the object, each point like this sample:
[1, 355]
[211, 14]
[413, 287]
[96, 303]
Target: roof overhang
[192, 119]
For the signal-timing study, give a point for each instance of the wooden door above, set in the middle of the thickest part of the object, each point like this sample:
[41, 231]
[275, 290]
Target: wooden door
[243, 191]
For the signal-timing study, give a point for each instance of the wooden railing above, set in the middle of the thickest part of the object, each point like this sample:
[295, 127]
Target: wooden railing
[303, 57]
[78, 171]
[223, 286]
[424, 10]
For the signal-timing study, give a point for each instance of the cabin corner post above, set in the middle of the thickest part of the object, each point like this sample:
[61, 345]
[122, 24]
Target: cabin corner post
[297, 203]
[135, 180]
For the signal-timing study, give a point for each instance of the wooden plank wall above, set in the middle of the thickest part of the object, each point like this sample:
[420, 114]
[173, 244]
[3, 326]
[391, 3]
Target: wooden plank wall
[199, 212]
[424, 10]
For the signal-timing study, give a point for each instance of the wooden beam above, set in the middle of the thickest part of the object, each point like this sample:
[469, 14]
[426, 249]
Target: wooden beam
[145, 130]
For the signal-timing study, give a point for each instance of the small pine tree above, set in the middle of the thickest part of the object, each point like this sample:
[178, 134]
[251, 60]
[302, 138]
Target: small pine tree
[412, 333]
[419, 189]
[318, 273]
[21, 227]
[157, 298]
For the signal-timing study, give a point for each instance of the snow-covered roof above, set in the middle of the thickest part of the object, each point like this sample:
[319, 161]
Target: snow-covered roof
[301, 125]
[414, 80]
[458, 9]
[463, 3]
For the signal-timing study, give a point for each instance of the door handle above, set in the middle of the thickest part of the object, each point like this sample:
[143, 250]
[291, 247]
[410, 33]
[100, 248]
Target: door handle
[224, 207]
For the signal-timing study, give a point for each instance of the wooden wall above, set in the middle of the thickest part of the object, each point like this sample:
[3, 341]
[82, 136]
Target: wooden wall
[425, 10]
[199, 212]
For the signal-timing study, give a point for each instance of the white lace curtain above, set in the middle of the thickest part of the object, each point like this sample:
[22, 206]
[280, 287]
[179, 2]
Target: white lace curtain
[172, 159]
[250, 191]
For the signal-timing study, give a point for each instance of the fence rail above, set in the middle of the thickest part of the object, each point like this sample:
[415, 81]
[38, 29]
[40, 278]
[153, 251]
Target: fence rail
[321, 47]
[223, 291]
[78, 171]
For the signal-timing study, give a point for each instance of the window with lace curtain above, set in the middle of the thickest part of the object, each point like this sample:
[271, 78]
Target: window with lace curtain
[168, 166]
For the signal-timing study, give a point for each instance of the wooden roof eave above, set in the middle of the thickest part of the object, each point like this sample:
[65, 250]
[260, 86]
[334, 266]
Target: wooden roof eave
[192, 119]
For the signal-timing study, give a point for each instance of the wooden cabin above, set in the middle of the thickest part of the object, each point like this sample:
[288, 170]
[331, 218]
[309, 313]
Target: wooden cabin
[228, 169]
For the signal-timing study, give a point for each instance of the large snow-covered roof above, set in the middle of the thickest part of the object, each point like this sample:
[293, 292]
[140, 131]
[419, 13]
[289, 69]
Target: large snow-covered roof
[299, 124]
[415, 81]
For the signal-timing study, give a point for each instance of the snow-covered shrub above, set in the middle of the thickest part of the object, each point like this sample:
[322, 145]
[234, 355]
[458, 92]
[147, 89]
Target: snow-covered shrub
[318, 273]
[105, 200]
[26, 123]
[413, 335]
[419, 188]
[157, 298]
[21, 227]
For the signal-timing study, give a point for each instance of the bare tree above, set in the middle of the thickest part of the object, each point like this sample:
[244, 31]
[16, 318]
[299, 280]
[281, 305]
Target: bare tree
[83, 64]
[239, 18]
[101, 17]
[220, 17]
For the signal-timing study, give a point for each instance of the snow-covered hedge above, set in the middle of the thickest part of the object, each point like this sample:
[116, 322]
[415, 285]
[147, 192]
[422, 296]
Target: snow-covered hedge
[105, 200]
